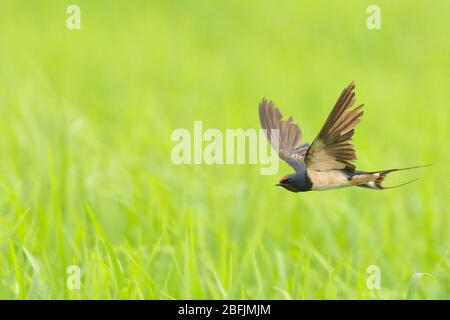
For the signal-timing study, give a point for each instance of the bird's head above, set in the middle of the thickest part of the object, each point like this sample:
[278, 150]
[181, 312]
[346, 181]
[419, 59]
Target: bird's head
[290, 182]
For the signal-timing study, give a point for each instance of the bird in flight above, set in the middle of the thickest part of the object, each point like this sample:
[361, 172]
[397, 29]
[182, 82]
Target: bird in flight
[326, 163]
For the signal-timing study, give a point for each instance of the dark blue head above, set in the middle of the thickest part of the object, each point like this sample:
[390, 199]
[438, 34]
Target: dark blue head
[296, 182]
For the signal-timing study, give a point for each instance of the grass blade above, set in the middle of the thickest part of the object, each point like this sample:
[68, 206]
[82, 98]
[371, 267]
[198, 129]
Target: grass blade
[414, 282]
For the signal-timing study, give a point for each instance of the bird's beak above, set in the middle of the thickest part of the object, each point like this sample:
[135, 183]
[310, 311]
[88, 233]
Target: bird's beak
[278, 185]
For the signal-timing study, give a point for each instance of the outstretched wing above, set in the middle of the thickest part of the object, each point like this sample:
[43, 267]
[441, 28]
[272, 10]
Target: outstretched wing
[332, 148]
[284, 135]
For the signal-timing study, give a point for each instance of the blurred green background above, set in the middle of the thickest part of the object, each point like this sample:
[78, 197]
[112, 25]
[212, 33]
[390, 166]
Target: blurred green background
[86, 177]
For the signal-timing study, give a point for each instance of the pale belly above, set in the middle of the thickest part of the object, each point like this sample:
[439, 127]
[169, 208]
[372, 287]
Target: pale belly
[334, 179]
[331, 179]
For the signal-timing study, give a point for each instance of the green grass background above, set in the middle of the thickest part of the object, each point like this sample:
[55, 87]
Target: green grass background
[85, 170]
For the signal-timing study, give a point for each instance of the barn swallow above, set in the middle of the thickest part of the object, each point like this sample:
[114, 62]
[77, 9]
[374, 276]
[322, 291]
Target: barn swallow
[326, 163]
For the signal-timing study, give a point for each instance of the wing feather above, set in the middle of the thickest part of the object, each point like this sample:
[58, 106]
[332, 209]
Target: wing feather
[332, 148]
[287, 133]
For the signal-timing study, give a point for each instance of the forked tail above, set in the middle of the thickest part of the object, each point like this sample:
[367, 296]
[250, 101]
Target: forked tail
[379, 176]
